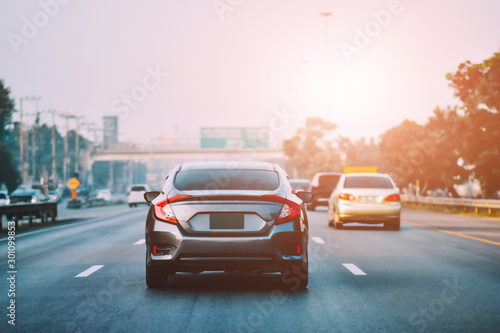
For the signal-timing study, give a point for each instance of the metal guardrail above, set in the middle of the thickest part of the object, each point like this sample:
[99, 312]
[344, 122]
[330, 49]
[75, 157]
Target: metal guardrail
[455, 202]
[43, 211]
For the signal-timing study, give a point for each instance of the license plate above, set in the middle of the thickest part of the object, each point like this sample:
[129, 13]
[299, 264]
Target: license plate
[227, 221]
[368, 198]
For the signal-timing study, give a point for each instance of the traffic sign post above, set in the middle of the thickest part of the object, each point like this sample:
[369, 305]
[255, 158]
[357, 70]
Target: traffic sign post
[74, 183]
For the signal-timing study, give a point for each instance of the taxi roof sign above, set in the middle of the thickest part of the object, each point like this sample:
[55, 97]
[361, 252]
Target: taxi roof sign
[74, 183]
[360, 169]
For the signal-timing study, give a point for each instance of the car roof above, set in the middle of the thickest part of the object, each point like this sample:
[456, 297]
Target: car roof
[367, 174]
[329, 173]
[228, 165]
[24, 192]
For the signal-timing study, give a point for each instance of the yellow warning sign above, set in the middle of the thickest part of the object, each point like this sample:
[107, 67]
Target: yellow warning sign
[74, 183]
[360, 169]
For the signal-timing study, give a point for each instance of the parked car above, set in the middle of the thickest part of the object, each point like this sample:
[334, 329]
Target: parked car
[4, 198]
[300, 184]
[136, 194]
[27, 195]
[322, 186]
[211, 218]
[365, 198]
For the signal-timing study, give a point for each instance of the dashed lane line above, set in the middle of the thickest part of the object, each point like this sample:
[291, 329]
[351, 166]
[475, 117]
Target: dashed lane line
[318, 240]
[140, 241]
[89, 271]
[354, 269]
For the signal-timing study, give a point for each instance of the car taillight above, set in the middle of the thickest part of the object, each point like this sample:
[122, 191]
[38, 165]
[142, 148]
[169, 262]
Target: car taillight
[177, 197]
[163, 210]
[289, 211]
[393, 198]
[347, 196]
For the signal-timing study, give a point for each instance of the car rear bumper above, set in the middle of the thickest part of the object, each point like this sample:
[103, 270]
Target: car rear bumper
[274, 252]
[369, 213]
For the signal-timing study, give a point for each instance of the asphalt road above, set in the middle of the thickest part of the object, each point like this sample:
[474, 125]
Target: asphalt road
[440, 273]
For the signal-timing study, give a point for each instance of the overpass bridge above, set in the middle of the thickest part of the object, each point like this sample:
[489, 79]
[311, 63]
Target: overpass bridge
[119, 167]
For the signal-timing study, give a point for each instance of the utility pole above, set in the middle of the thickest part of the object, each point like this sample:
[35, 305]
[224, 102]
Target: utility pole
[23, 166]
[77, 144]
[66, 116]
[21, 141]
[327, 55]
[54, 171]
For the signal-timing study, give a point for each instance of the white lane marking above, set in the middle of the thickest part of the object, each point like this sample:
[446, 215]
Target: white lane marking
[140, 241]
[318, 240]
[89, 271]
[354, 269]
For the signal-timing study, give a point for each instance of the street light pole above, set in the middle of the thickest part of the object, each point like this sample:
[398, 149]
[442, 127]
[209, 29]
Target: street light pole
[327, 62]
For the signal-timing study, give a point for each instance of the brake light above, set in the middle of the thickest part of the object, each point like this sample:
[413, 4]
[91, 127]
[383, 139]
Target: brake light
[289, 211]
[163, 211]
[393, 198]
[155, 249]
[347, 196]
[177, 197]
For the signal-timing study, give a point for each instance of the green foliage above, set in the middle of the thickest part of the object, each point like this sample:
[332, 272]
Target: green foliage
[6, 110]
[478, 87]
[470, 134]
[359, 153]
[426, 153]
[311, 150]
[8, 172]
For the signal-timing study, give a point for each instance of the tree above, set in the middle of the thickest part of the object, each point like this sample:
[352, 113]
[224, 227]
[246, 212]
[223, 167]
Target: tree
[478, 87]
[359, 153]
[311, 150]
[426, 153]
[8, 173]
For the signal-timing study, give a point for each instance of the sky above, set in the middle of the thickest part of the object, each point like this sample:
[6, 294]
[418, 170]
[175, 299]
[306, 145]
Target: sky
[170, 67]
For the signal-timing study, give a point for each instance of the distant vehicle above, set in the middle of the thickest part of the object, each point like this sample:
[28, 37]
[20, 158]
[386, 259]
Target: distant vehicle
[136, 194]
[365, 198]
[322, 186]
[4, 198]
[105, 195]
[246, 220]
[300, 184]
[55, 195]
[27, 195]
[82, 193]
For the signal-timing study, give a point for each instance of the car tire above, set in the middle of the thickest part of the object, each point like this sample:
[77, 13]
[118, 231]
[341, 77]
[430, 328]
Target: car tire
[157, 276]
[311, 207]
[338, 225]
[331, 223]
[130, 205]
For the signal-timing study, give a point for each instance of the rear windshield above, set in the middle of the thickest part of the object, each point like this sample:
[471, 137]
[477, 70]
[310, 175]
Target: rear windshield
[138, 188]
[226, 180]
[367, 182]
[328, 180]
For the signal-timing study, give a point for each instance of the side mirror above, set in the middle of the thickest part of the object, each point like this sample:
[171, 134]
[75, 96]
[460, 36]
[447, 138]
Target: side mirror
[150, 196]
[305, 196]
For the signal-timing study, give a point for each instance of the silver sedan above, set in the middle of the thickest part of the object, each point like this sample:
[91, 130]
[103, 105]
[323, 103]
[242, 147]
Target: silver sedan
[365, 198]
